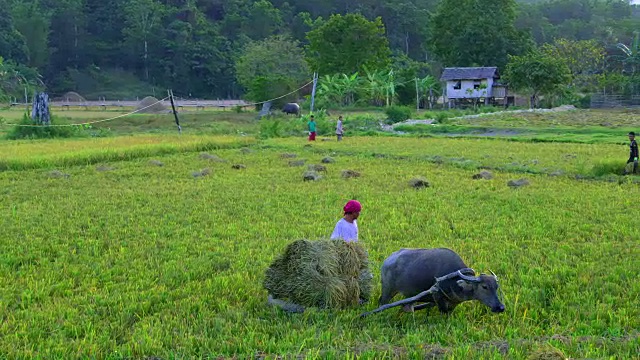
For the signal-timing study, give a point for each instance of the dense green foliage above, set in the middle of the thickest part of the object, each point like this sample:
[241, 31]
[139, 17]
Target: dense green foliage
[275, 65]
[476, 32]
[348, 44]
[537, 73]
[193, 46]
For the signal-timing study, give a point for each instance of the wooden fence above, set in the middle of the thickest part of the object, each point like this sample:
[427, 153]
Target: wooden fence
[600, 101]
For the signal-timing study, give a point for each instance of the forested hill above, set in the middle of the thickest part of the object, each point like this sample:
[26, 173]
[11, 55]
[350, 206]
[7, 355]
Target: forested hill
[192, 46]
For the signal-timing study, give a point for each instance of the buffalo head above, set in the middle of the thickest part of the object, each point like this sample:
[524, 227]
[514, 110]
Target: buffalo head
[483, 288]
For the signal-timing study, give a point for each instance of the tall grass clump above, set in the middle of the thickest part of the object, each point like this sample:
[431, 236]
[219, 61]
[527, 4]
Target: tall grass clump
[608, 168]
[283, 126]
[26, 129]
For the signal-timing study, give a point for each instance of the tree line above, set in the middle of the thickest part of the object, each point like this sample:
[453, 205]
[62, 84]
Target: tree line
[257, 48]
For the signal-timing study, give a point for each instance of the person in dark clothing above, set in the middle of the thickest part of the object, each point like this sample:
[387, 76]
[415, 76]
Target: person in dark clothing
[633, 155]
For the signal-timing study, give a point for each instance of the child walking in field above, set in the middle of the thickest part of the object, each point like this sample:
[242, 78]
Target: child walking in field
[312, 129]
[339, 129]
[347, 228]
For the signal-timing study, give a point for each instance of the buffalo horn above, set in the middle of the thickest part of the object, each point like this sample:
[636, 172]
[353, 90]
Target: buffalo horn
[455, 274]
[494, 275]
[469, 278]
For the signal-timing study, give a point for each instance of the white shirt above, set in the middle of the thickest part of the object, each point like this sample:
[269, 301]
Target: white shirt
[346, 231]
[339, 127]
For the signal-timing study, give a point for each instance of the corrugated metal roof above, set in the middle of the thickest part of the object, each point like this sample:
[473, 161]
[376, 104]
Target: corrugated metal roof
[469, 73]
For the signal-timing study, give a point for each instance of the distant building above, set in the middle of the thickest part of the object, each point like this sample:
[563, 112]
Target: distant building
[635, 7]
[473, 84]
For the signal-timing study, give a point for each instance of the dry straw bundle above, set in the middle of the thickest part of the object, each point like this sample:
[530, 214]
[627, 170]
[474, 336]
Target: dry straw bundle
[324, 273]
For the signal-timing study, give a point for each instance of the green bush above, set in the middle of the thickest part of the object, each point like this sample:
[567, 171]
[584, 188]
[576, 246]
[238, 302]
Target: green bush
[583, 102]
[283, 126]
[608, 168]
[441, 117]
[396, 114]
[271, 128]
[21, 131]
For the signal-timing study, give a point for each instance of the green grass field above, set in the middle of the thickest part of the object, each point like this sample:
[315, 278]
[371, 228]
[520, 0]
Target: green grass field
[105, 254]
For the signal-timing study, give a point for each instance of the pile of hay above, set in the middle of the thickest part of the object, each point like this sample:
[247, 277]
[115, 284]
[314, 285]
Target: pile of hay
[419, 183]
[297, 163]
[201, 173]
[311, 176]
[547, 353]
[518, 183]
[486, 175]
[73, 97]
[348, 174]
[318, 168]
[324, 274]
[213, 158]
[152, 106]
[56, 174]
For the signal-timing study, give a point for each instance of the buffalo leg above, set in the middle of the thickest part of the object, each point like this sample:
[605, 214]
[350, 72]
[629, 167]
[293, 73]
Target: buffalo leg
[386, 296]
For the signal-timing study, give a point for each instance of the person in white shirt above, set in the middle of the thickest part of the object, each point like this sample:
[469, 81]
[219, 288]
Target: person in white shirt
[347, 228]
[339, 129]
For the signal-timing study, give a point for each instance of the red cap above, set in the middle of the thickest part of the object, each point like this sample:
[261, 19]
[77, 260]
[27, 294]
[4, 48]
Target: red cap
[352, 206]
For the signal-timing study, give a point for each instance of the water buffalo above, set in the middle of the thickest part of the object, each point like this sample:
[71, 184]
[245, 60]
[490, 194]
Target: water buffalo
[291, 108]
[434, 277]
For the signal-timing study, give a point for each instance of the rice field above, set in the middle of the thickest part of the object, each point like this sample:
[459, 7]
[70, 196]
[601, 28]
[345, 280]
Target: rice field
[125, 248]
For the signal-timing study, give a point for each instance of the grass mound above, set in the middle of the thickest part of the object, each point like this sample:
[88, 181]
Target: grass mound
[324, 273]
[150, 105]
[73, 96]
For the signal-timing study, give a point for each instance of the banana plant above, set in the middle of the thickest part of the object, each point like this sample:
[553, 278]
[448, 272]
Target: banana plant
[331, 89]
[349, 86]
[390, 87]
[429, 85]
[631, 53]
[375, 86]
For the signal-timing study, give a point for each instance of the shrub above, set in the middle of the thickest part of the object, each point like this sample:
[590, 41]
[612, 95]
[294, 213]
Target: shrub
[271, 128]
[21, 131]
[441, 117]
[583, 102]
[396, 114]
[608, 168]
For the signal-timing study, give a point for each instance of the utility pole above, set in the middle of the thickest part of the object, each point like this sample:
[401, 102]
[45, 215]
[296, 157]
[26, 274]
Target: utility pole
[417, 97]
[175, 113]
[313, 91]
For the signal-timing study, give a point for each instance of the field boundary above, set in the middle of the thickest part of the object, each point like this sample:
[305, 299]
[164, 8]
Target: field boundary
[469, 164]
[123, 154]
